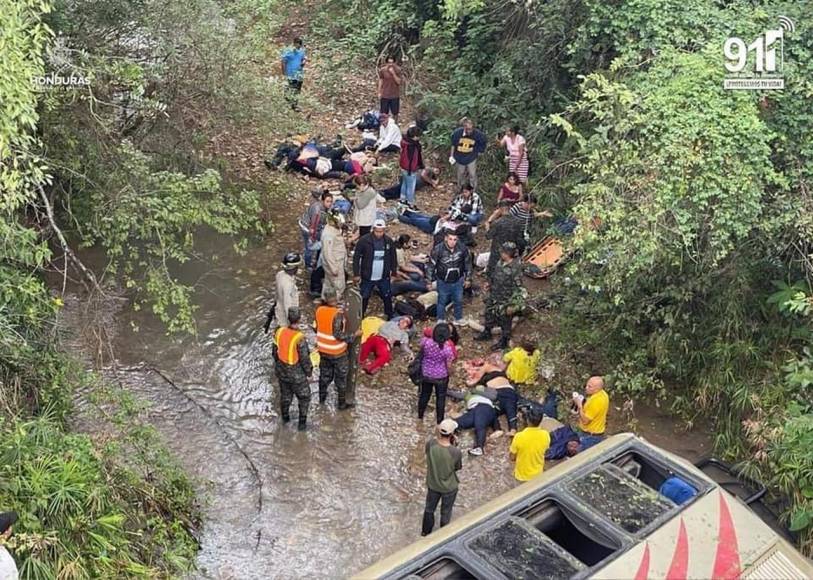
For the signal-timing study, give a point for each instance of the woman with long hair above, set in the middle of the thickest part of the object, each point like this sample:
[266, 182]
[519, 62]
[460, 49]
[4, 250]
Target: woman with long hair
[515, 146]
[511, 190]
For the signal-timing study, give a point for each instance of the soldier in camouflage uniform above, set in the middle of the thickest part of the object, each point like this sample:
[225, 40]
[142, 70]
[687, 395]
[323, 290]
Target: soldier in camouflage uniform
[505, 296]
[506, 227]
[292, 363]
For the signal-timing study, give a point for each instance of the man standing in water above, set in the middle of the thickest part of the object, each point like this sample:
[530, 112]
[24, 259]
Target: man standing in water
[287, 293]
[293, 64]
[292, 363]
[332, 343]
[443, 461]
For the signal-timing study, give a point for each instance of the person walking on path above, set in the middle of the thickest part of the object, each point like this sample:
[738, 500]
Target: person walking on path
[505, 296]
[468, 144]
[286, 291]
[528, 448]
[449, 266]
[334, 255]
[292, 364]
[411, 163]
[390, 80]
[443, 461]
[292, 64]
[517, 157]
[436, 364]
[332, 344]
[374, 264]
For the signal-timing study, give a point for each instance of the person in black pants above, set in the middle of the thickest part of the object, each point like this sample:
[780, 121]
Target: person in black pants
[437, 357]
[374, 264]
[479, 416]
[443, 461]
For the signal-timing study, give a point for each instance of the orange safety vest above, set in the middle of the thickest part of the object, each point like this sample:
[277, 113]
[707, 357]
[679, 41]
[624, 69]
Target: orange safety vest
[287, 339]
[326, 343]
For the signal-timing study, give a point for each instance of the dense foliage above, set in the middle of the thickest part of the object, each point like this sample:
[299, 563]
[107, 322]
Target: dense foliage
[119, 161]
[696, 285]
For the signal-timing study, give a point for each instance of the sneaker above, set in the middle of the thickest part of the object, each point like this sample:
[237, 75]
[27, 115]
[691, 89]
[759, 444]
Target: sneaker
[476, 451]
[462, 323]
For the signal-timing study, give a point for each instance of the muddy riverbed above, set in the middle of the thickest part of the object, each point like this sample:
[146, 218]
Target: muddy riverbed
[284, 504]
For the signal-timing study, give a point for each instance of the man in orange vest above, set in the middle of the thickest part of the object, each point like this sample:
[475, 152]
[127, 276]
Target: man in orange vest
[332, 343]
[292, 363]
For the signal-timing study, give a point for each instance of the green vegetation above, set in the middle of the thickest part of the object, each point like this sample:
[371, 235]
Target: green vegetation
[133, 163]
[703, 195]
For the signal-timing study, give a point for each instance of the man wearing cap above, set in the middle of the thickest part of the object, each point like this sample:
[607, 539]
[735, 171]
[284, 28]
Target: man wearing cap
[443, 461]
[292, 363]
[8, 569]
[505, 296]
[332, 344]
[374, 264]
[287, 293]
[334, 255]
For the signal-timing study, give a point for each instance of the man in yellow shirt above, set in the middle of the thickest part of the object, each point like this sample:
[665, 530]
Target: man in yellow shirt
[529, 446]
[592, 412]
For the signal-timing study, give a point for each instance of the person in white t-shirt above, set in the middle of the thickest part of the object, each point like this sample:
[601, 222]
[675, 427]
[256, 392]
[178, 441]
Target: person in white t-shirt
[8, 569]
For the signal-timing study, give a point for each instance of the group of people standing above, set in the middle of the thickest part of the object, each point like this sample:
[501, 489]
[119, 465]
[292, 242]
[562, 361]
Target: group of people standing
[379, 264]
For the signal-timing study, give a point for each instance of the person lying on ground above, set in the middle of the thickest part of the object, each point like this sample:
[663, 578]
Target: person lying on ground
[507, 397]
[564, 441]
[522, 363]
[529, 447]
[411, 274]
[467, 207]
[591, 412]
[479, 415]
[511, 190]
[380, 344]
[428, 177]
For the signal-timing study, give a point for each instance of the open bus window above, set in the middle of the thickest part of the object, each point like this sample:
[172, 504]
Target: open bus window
[623, 499]
[565, 529]
[521, 552]
[643, 469]
[444, 568]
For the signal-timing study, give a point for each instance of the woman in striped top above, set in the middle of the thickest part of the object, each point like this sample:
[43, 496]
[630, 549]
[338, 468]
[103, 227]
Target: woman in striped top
[514, 144]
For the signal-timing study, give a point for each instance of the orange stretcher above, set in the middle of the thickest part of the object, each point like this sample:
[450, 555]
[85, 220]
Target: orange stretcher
[547, 255]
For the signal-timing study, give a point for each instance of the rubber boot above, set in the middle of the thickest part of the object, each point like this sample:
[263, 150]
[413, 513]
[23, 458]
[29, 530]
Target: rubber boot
[286, 418]
[322, 397]
[484, 335]
[302, 426]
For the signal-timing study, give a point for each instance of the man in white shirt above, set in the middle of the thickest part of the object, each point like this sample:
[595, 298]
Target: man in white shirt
[389, 136]
[8, 569]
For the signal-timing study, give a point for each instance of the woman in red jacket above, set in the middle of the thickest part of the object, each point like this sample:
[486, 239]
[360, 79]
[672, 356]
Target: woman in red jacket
[411, 164]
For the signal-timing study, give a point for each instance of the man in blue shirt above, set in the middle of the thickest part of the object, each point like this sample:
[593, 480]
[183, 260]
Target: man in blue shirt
[467, 144]
[292, 65]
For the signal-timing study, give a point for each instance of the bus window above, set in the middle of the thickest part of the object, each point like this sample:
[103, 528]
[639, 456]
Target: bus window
[444, 568]
[548, 517]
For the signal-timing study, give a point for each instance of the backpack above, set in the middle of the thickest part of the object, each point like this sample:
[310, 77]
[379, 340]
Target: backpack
[415, 369]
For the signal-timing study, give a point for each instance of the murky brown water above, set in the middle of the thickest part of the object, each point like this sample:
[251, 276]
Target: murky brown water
[283, 504]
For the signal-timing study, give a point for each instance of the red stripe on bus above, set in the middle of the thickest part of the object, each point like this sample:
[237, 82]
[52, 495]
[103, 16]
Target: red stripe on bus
[727, 560]
[680, 561]
[643, 569]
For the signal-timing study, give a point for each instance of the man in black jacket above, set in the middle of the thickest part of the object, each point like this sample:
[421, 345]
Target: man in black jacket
[449, 265]
[374, 263]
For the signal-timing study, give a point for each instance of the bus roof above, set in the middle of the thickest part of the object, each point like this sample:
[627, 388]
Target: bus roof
[599, 515]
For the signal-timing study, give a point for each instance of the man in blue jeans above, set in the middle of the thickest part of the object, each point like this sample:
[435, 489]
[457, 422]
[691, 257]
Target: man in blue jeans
[449, 266]
[374, 264]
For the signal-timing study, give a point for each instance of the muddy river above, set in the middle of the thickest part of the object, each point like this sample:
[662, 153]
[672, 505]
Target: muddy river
[280, 503]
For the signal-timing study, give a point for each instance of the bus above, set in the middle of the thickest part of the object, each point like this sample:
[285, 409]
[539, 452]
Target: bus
[600, 515]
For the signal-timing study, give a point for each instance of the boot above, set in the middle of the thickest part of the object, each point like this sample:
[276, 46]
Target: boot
[302, 426]
[501, 344]
[322, 397]
[286, 418]
[345, 405]
[484, 335]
